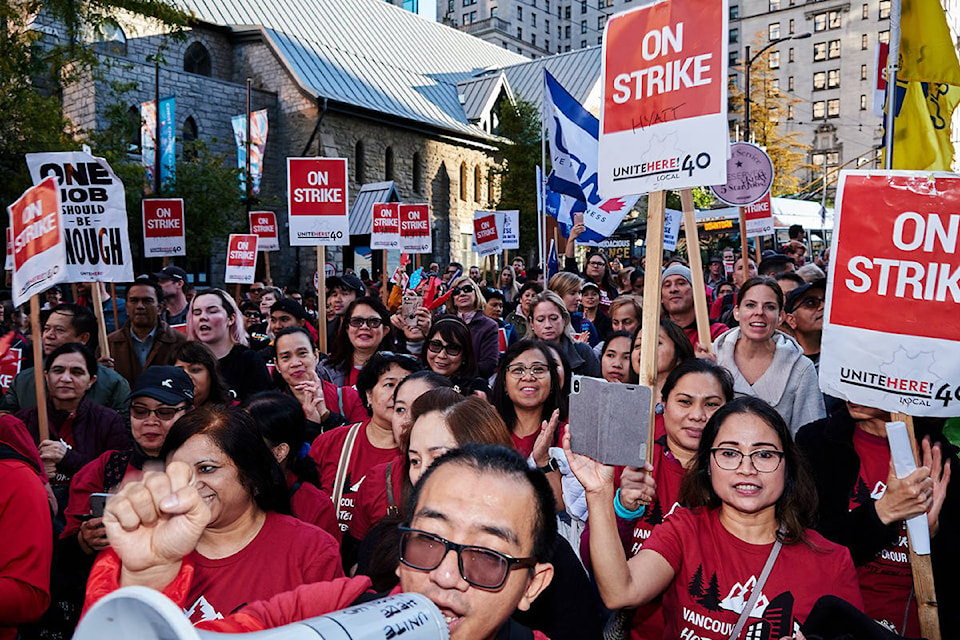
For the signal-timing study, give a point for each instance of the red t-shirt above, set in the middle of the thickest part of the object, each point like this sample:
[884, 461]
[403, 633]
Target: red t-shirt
[284, 555]
[372, 499]
[717, 329]
[715, 572]
[886, 581]
[326, 450]
[313, 506]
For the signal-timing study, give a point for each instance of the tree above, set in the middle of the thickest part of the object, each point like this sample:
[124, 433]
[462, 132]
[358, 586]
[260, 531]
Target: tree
[696, 583]
[711, 597]
[517, 172]
[770, 111]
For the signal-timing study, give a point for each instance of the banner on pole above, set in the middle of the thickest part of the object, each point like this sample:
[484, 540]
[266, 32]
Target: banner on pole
[317, 201]
[259, 125]
[415, 228]
[671, 228]
[8, 266]
[163, 228]
[749, 175]
[511, 229]
[663, 122]
[890, 336]
[94, 208]
[241, 258]
[385, 232]
[487, 232]
[39, 256]
[759, 217]
[263, 224]
[10, 366]
[168, 141]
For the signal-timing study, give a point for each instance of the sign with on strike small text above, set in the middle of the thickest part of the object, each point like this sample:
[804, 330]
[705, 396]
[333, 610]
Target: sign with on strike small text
[415, 228]
[241, 258]
[487, 232]
[663, 121]
[385, 232]
[317, 201]
[891, 338]
[759, 217]
[163, 227]
[263, 224]
[511, 229]
[39, 255]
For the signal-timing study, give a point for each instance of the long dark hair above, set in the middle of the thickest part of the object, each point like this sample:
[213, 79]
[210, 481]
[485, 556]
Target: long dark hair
[797, 506]
[699, 365]
[341, 353]
[280, 420]
[765, 281]
[501, 400]
[606, 280]
[195, 352]
[235, 433]
[453, 330]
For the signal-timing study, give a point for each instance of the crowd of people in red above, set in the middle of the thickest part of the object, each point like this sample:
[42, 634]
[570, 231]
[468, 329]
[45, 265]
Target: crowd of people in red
[211, 451]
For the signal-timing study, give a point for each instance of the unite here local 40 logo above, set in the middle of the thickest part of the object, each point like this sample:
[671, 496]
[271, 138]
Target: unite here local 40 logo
[241, 259]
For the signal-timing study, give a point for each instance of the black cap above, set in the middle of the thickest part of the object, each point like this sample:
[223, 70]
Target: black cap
[715, 258]
[794, 297]
[290, 306]
[163, 383]
[346, 281]
[171, 273]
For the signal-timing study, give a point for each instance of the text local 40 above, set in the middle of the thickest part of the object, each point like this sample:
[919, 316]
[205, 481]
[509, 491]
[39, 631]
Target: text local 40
[662, 78]
[912, 279]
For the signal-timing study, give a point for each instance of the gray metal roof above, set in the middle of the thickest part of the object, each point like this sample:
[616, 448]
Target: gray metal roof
[361, 214]
[368, 53]
[577, 71]
[476, 94]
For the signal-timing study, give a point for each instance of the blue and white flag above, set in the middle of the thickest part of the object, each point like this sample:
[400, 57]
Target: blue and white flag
[572, 183]
[553, 262]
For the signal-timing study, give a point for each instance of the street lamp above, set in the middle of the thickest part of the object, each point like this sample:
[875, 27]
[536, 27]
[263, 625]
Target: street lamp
[749, 63]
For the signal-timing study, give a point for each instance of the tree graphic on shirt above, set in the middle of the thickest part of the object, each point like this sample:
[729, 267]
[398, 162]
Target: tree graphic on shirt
[654, 514]
[696, 583]
[861, 492]
[711, 597]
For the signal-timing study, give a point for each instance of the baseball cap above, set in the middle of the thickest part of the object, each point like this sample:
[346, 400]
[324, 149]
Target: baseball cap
[347, 281]
[794, 297]
[291, 306]
[589, 285]
[171, 273]
[163, 383]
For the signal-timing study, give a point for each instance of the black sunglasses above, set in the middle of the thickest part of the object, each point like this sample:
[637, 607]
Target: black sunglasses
[461, 289]
[453, 350]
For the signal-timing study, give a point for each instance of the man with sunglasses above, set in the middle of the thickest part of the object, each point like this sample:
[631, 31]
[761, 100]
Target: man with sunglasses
[804, 309]
[477, 542]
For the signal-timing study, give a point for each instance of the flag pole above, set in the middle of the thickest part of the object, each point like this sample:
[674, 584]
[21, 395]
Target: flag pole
[893, 59]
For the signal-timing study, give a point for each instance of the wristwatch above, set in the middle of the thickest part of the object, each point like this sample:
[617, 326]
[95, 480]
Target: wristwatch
[552, 465]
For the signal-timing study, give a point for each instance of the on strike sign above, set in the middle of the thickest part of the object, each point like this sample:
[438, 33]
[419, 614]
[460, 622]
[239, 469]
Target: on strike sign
[263, 224]
[487, 234]
[39, 256]
[241, 258]
[663, 124]
[891, 339]
[163, 228]
[385, 232]
[415, 228]
[759, 217]
[317, 201]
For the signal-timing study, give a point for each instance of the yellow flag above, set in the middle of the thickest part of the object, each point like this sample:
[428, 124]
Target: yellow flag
[922, 129]
[927, 52]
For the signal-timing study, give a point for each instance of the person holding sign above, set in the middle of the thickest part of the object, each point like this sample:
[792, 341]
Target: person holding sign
[768, 363]
[863, 506]
[749, 502]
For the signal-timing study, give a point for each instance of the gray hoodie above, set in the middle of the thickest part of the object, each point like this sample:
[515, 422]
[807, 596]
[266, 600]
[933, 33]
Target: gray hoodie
[789, 384]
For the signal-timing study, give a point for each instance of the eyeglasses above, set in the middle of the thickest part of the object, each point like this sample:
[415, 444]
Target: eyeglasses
[142, 412]
[764, 460]
[537, 370]
[596, 263]
[453, 350]
[256, 290]
[479, 566]
[373, 323]
[252, 314]
[461, 289]
[404, 356]
[812, 302]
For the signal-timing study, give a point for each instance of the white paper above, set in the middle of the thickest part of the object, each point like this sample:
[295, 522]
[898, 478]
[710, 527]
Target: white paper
[904, 464]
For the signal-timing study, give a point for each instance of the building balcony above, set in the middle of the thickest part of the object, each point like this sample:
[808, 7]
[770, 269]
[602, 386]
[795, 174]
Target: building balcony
[490, 24]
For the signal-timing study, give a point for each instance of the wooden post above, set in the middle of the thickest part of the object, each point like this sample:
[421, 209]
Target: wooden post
[757, 250]
[266, 267]
[74, 291]
[101, 321]
[744, 247]
[696, 269]
[650, 325]
[322, 297]
[921, 566]
[166, 261]
[383, 280]
[113, 299]
[39, 381]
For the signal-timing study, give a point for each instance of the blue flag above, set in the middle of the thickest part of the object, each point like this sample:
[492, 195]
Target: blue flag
[553, 262]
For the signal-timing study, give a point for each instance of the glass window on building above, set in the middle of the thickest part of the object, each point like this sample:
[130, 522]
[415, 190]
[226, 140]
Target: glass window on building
[819, 80]
[773, 31]
[833, 108]
[819, 51]
[819, 112]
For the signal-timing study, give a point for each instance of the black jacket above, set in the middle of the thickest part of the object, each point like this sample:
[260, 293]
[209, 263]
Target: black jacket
[828, 447]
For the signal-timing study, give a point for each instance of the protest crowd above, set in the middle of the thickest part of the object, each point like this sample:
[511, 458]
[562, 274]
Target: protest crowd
[256, 480]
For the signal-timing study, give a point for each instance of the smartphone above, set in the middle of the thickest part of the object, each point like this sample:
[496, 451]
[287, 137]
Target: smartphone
[97, 502]
[608, 420]
[408, 308]
[577, 218]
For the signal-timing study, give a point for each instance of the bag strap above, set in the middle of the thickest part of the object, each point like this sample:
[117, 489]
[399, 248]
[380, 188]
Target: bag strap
[758, 587]
[343, 465]
[340, 400]
[392, 509]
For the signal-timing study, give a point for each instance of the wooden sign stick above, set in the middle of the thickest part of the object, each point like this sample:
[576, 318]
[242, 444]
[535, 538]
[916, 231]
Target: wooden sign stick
[39, 381]
[650, 325]
[696, 269]
[266, 267]
[922, 566]
[113, 299]
[744, 247]
[101, 320]
[383, 280]
[322, 297]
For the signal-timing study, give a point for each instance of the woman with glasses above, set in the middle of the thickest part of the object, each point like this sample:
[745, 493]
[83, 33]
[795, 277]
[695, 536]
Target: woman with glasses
[767, 363]
[449, 352]
[215, 321]
[596, 269]
[364, 331]
[749, 503]
[549, 320]
[467, 303]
